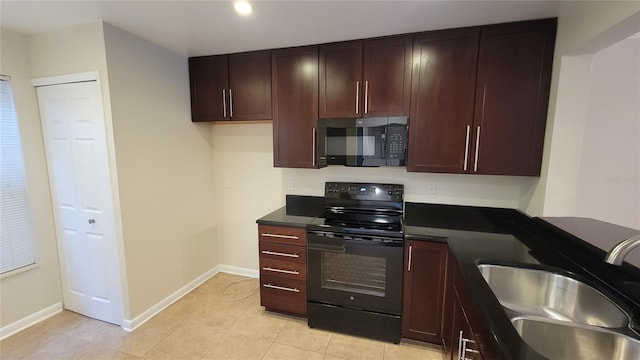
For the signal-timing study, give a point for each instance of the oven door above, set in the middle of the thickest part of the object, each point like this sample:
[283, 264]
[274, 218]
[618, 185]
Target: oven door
[355, 272]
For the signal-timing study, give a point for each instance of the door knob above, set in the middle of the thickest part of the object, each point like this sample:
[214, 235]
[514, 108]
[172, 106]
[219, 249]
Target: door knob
[92, 221]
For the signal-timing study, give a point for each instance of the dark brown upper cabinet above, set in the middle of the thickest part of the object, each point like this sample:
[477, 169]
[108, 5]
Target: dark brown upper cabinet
[365, 78]
[512, 95]
[479, 99]
[295, 106]
[209, 77]
[340, 80]
[442, 98]
[231, 87]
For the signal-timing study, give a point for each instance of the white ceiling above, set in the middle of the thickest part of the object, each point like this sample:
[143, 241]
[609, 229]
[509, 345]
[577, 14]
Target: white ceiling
[212, 27]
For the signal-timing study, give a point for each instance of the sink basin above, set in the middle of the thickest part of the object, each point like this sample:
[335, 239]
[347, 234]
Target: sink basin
[564, 341]
[552, 296]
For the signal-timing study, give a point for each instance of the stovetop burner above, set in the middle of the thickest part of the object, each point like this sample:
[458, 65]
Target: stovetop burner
[372, 209]
[343, 220]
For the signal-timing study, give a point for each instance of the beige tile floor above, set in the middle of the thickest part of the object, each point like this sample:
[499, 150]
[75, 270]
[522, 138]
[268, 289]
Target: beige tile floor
[205, 324]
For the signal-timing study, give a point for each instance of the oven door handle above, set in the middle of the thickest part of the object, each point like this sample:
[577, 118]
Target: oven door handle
[326, 247]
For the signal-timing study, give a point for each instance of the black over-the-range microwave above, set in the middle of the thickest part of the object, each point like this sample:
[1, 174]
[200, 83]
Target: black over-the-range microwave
[380, 141]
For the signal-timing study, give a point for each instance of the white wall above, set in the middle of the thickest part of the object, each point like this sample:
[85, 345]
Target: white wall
[243, 159]
[29, 292]
[165, 170]
[608, 186]
[585, 28]
[81, 49]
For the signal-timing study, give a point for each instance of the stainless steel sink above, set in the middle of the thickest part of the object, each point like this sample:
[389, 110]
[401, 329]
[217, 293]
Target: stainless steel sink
[550, 295]
[566, 341]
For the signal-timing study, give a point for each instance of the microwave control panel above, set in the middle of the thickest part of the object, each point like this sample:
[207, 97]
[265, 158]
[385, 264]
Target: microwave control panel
[396, 144]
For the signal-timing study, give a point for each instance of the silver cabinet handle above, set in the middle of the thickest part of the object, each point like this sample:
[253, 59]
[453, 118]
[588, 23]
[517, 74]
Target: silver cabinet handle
[280, 236]
[230, 103]
[366, 96]
[269, 252]
[410, 257]
[313, 143]
[460, 355]
[292, 272]
[475, 164]
[357, 96]
[281, 288]
[463, 353]
[224, 103]
[466, 148]
[465, 350]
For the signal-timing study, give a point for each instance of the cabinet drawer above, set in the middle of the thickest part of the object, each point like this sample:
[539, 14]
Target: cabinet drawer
[282, 235]
[284, 253]
[281, 294]
[289, 270]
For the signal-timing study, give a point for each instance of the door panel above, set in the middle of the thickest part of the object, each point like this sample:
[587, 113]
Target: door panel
[295, 106]
[387, 76]
[423, 292]
[250, 83]
[75, 141]
[209, 77]
[512, 93]
[442, 100]
[341, 80]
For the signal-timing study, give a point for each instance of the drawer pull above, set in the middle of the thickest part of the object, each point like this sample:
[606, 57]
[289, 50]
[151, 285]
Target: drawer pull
[292, 272]
[269, 252]
[281, 236]
[280, 288]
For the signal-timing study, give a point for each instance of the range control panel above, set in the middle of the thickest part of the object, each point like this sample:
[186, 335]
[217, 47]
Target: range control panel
[363, 191]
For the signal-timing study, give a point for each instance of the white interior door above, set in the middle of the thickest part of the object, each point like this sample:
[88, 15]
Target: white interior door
[75, 141]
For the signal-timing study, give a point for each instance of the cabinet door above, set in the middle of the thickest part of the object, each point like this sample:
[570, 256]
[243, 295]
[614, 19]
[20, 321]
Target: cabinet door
[295, 106]
[423, 291]
[459, 325]
[449, 341]
[340, 80]
[387, 76]
[209, 78]
[250, 86]
[442, 96]
[512, 94]
[465, 348]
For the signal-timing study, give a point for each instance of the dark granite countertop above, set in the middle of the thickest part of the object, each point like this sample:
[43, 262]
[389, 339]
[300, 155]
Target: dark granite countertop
[298, 212]
[509, 237]
[501, 236]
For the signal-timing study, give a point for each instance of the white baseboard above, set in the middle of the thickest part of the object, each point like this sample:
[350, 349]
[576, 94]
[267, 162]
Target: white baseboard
[253, 273]
[30, 320]
[130, 325]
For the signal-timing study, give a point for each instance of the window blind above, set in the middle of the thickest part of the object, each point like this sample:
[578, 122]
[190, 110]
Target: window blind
[16, 245]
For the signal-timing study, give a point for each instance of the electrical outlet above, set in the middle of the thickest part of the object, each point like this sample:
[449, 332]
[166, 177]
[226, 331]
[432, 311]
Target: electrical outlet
[291, 184]
[432, 191]
[227, 182]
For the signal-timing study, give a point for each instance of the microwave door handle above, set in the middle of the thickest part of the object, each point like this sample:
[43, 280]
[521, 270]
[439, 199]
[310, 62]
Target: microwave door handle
[384, 143]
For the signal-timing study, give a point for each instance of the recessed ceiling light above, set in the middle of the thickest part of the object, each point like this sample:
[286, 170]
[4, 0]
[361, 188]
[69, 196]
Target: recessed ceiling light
[242, 7]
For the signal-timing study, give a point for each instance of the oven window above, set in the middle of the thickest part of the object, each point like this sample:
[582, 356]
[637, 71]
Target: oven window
[354, 273]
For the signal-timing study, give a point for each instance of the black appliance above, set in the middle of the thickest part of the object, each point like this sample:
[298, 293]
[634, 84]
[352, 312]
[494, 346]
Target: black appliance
[354, 261]
[380, 141]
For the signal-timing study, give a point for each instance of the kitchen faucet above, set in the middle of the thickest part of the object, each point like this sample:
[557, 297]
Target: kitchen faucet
[617, 254]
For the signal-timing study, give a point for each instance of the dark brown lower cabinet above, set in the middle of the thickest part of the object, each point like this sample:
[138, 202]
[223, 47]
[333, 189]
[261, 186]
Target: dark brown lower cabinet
[468, 334]
[466, 348]
[283, 269]
[423, 290]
